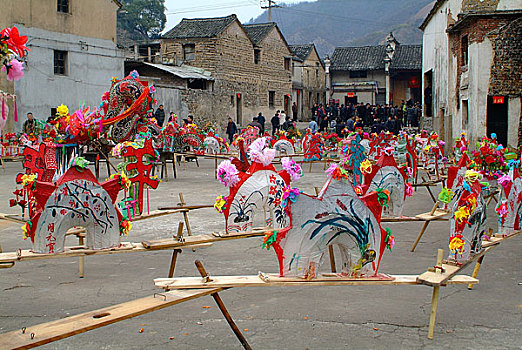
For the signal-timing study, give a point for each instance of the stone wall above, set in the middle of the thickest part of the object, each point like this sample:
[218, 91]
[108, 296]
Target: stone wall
[507, 62]
[230, 59]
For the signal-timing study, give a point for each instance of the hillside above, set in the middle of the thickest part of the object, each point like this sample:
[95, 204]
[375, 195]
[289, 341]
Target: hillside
[332, 23]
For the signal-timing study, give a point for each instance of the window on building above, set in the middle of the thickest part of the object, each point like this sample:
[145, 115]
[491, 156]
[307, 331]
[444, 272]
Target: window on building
[189, 52]
[464, 50]
[62, 6]
[287, 63]
[358, 74]
[200, 84]
[271, 99]
[60, 62]
[464, 114]
[257, 56]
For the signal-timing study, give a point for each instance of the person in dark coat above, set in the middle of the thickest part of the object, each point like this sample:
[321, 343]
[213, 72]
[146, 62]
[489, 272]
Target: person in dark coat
[390, 125]
[255, 122]
[276, 124]
[261, 120]
[350, 124]
[160, 115]
[231, 129]
[323, 125]
[294, 112]
[377, 126]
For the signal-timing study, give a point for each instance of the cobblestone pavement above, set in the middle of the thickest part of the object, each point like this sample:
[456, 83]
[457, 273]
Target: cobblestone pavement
[341, 317]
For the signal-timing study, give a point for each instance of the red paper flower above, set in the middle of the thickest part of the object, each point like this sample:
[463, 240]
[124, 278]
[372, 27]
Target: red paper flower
[15, 42]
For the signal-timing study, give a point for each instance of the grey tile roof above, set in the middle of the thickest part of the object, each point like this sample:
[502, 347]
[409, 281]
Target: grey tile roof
[302, 51]
[257, 32]
[407, 57]
[358, 58]
[200, 27]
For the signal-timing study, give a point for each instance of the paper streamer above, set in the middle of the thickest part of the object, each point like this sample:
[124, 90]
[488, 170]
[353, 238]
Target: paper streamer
[15, 111]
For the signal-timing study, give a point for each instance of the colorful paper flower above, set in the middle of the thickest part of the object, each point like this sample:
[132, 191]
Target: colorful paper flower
[409, 189]
[220, 204]
[227, 173]
[15, 42]
[62, 110]
[270, 238]
[366, 166]
[292, 168]
[289, 194]
[446, 195]
[456, 244]
[462, 214]
[14, 69]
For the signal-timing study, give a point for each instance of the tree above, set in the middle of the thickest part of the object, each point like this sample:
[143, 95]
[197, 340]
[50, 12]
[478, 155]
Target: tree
[143, 19]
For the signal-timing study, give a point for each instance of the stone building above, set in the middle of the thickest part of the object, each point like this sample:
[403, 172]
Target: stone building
[73, 54]
[250, 66]
[387, 73]
[308, 79]
[472, 66]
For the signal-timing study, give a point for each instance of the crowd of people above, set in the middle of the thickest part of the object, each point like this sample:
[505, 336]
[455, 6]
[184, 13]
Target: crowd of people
[387, 117]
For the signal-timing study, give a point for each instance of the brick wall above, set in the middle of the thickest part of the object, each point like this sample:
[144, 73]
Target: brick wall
[507, 59]
[230, 59]
[479, 5]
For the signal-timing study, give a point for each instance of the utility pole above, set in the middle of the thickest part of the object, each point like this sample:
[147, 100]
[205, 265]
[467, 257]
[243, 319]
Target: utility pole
[271, 4]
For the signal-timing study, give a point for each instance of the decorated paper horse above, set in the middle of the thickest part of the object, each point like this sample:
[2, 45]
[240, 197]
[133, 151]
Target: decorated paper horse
[388, 178]
[283, 146]
[125, 105]
[249, 135]
[405, 153]
[257, 189]
[312, 146]
[468, 220]
[461, 145]
[379, 143]
[215, 145]
[509, 208]
[77, 199]
[337, 216]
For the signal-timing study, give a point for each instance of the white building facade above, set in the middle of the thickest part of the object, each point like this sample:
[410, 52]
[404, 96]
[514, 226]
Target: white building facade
[471, 58]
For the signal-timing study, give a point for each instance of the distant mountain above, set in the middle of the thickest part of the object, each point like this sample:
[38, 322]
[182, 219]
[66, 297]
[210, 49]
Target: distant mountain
[332, 23]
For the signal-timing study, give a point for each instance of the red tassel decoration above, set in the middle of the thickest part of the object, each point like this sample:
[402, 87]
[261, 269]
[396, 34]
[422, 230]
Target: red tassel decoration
[3, 108]
[15, 111]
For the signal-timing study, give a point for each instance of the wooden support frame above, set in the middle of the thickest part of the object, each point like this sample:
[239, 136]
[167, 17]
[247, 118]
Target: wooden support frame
[434, 214]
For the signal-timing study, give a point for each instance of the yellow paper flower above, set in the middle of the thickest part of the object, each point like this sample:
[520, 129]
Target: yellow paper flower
[220, 203]
[62, 110]
[28, 179]
[366, 166]
[471, 175]
[462, 214]
[456, 245]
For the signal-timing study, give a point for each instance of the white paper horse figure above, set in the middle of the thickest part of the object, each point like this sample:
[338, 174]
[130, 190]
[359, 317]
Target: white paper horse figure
[386, 175]
[468, 220]
[337, 216]
[509, 207]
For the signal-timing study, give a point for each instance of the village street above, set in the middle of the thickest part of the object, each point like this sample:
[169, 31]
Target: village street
[341, 317]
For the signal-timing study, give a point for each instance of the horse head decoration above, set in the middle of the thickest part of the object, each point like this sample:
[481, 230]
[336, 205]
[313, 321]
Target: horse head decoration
[255, 186]
[125, 105]
[77, 199]
[336, 216]
[387, 178]
[468, 220]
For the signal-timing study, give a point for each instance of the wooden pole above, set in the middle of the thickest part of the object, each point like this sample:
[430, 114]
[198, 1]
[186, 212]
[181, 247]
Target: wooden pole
[435, 297]
[223, 309]
[185, 214]
[81, 261]
[215, 167]
[476, 270]
[424, 227]
[175, 252]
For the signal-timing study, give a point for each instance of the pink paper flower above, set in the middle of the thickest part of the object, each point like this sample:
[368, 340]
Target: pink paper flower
[331, 169]
[504, 181]
[227, 173]
[14, 70]
[409, 190]
[292, 168]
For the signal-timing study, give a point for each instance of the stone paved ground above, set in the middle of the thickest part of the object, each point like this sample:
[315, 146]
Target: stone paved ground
[384, 317]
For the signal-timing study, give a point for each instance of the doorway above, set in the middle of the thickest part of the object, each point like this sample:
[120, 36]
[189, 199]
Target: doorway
[286, 105]
[497, 118]
[348, 100]
[239, 110]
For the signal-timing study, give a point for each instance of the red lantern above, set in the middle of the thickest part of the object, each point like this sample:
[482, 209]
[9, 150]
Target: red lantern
[238, 95]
